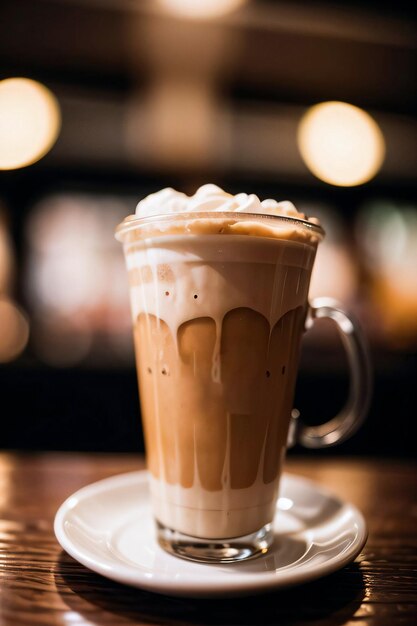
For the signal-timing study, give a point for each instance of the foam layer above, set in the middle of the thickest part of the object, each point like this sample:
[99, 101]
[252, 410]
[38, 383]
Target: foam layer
[212, 198]
[212, 211]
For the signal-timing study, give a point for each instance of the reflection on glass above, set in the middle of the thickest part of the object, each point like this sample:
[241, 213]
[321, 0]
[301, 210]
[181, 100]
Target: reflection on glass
[6, 255]
[14, 330]
[341, 144]
[14, 326]
[75, 280]
[335, 272]
[29, 122]
[387, 237]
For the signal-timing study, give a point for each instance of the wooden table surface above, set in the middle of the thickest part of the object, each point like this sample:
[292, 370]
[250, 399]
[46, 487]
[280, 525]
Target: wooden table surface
[41, 585]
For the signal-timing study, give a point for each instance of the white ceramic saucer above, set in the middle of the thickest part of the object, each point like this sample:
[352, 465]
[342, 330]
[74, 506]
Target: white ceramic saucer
[108, 527]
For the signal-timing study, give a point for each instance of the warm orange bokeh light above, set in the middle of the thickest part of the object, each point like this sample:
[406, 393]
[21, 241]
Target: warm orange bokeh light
[341, 144]
[30, 120]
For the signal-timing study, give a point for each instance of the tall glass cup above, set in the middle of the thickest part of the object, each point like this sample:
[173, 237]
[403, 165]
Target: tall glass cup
[220, 304]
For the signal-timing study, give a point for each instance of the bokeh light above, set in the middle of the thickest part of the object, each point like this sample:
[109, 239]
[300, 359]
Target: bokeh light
[7, 265]
[30, 120]
[201, 9]
[74, 280]
[341, 144]
[387, 238]
[14, 327]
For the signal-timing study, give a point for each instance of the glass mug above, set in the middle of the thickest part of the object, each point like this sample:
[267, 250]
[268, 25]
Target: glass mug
[220, 304]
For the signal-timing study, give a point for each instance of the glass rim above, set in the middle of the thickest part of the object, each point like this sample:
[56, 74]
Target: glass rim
[133, 221]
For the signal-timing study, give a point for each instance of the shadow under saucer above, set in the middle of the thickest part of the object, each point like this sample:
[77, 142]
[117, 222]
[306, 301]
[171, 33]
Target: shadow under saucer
[333, 600]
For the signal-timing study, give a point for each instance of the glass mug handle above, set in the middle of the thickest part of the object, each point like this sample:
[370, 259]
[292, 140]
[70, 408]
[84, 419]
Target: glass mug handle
[353, 413]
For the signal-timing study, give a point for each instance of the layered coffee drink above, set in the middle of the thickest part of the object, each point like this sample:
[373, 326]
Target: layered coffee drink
[219, 288]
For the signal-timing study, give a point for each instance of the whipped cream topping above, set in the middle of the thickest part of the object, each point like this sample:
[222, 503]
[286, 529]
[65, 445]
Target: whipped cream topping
[212, 198]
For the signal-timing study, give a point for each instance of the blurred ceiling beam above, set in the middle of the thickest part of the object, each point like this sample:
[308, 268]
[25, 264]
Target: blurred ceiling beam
[355, 23]
[255, 139]
[292, 52]
[330, 20]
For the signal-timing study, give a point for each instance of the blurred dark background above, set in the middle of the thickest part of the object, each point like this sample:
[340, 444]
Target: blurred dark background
[147, 97]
